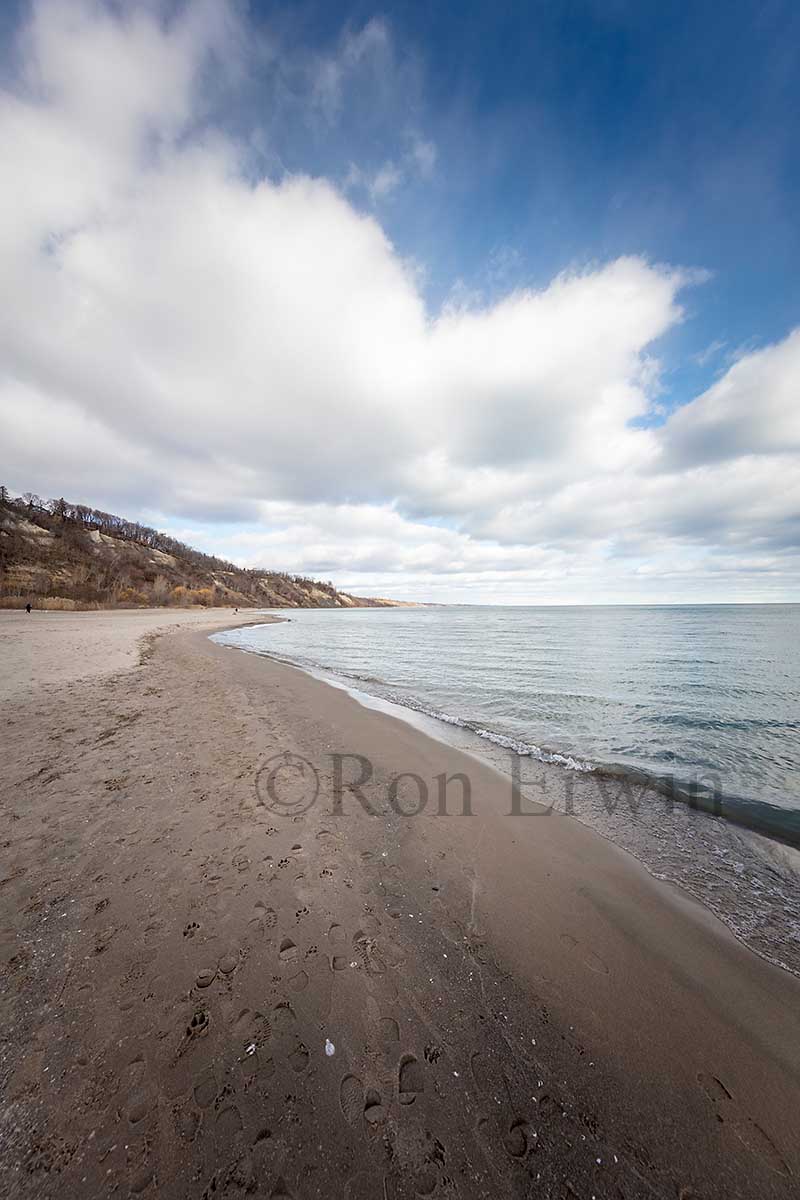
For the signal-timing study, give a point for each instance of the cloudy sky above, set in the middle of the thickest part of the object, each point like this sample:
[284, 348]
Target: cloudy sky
[479, 302]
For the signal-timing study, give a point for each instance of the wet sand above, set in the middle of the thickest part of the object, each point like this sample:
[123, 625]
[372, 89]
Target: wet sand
[213, 986]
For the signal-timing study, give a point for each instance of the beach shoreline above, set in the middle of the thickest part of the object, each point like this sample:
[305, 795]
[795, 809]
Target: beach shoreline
[715, 858]
[185, 935]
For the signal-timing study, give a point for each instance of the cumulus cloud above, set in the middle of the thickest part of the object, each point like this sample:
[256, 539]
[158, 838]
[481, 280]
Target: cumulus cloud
[186, 339]
[753, 409]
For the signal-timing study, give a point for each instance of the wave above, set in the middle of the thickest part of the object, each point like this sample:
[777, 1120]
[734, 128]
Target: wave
[750, 883]
[779, 824]
[524, 749]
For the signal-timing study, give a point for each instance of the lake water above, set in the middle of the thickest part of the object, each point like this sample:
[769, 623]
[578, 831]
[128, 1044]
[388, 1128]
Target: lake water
[703, 702]
[706, 696]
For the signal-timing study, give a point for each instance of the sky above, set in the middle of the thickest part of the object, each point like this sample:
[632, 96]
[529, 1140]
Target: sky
[476, 302]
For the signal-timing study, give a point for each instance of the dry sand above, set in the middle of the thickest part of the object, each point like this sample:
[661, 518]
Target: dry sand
[511, 1006]
[45, 649]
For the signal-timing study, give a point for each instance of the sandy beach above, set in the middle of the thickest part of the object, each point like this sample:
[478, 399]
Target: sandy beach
[237, 960]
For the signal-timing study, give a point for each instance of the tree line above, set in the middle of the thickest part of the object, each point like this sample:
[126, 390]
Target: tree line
[123, 576]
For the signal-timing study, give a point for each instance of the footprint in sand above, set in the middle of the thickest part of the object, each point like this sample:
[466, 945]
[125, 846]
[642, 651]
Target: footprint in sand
[366, 951]
[228, 1124]
[287, 951]
[357, 1103]
[103, 939]
[251, 1028]
[264, 917]
[283, 1016]
[136, 1069]
[249, 1065]
[299, 1058]
[198, 1025]
[139, 1106]
[516, 1138]
[351, 1098]
[489, 1078]
[748, 1131]
[410, 1079]
[593, 961]
[374, 1109]
[229, 961]
[299, 982]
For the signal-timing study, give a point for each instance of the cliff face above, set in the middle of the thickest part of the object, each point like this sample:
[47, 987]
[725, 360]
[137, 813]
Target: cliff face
[60, 555]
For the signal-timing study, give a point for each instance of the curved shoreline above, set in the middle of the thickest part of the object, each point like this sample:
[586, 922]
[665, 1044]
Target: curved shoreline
[758, 816]
[731, 911]
[243, 978]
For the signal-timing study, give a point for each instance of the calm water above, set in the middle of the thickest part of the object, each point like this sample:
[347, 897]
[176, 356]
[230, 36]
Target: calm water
[705, 696]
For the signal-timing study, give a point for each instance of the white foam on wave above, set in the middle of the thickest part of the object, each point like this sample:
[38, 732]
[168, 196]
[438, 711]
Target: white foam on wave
[506, 742]
[524, 749]
[749, 882]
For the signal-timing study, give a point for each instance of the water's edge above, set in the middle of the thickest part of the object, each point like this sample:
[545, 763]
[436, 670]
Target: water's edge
[773, 933]
[758, 816]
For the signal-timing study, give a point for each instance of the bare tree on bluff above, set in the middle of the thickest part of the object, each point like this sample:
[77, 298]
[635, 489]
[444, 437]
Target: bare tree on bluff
[129, 564]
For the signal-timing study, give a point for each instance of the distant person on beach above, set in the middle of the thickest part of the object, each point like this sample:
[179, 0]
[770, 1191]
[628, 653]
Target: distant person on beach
[27, 608]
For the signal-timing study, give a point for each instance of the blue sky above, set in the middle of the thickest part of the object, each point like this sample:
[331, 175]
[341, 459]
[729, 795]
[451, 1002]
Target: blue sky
[491, 302]
[580, 131]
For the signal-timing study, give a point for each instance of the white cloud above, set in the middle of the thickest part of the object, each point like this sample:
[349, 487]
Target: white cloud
[364, 50]
[181, 338]
[377, 184]
[753, 409]
[709, 352]
[417, 163]
[423, 154]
